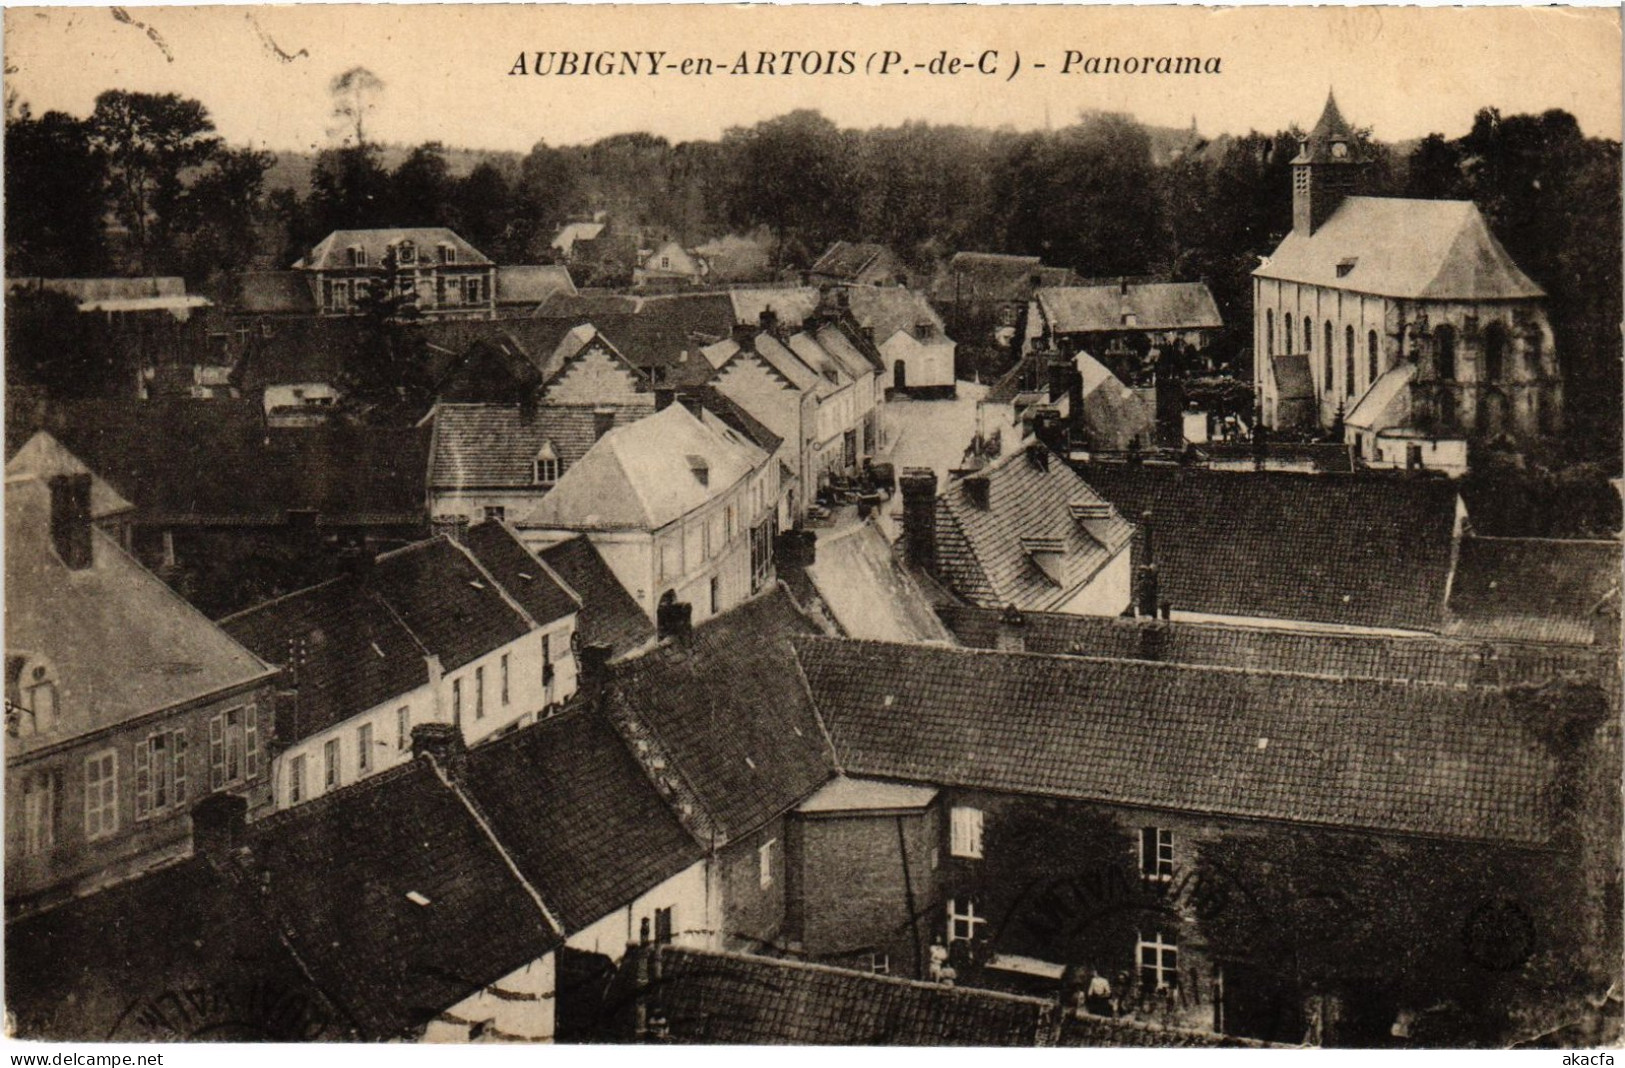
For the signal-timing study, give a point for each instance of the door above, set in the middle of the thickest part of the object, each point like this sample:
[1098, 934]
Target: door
[899, 375]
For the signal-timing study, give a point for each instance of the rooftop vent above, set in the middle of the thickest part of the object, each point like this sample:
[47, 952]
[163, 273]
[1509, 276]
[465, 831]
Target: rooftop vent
[700, 468]
[1344, 266]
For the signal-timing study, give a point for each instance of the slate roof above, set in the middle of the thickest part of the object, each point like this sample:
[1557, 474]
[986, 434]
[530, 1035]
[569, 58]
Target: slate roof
[1439, 661]
[1357, 550]
[578, 816]
[989, 555]
[1358, 754]
[982, 277]
[331, 253]
[1155, 306]
[847, 259]
[337, 871]
[1293, 378]
[665, 332]
[492, 446]
[540, 591]
[532, 283]
[43, 457]
[275, 293]
[1316, 146]
[299, 350]
[122, 643]
[537, 340]
[116, 965]
[1403, 248]
[729, 708]
[1534, 589]
[446, 600]
[719, 404]
[609, 616]
[868, 592]
[643, 475]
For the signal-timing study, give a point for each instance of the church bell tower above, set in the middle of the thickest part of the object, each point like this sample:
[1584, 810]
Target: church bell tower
[1329, 166]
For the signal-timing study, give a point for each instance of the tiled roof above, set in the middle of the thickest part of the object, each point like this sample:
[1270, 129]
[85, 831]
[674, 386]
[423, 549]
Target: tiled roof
[1360, 754]
[537, 588]
[868, 592]
[1328, 457]
[578, 816]
[531, 284]
[1534, 589]
[990, 554]
[332, 253]
[97, 290]
[118, 964]
[121, 642]
[791, 304]
[338, 872]
[665, 332]
[1113, 415]
[609, 615]
[536, 340]
[1293, 379]
[493, 445]
[847, 259]
[182, 462]
[1409, 249]
[978, 277]
[275, 293]
[1154, 306]
[301, 349]
[492, 370]
[1027, 375]
[730, 998]
[731, 712]
[888, 309]
[1443, 661]
[722, 406]
[452, 608]
[1360, 550]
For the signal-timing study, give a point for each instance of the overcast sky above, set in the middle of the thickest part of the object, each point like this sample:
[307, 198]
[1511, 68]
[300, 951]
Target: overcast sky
[263, 72]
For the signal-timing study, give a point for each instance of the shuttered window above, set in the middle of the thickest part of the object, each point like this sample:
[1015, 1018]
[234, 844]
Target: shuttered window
[965, 832]
[101, 794]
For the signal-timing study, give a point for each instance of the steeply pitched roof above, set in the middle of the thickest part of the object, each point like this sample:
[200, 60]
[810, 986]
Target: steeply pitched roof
[1357, 550]
[1362, 754]
[609, 615]
[1293, 378]
[1439, 661]
[730, 710]
[1534, 589]
[646, 474]
[492, 446]
[543, 595]
[104, 967]
[121, 642]
[332, 253]
[337, 872]
[1386, 403]
[847, 259]
[791, 304]
[1410, 249]
[1154, 306]
[43, 458]
[578, 816]
[446, 600]
[1317, 145]
[868, 592]
[665, 332]
[1028, 547]
[532, 283]
[570, 233]
[888, 309]
[723, 407]
[1113, 415]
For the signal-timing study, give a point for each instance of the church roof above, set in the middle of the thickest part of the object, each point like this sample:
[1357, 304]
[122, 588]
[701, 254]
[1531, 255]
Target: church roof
[1317, 147]
[1409, 249]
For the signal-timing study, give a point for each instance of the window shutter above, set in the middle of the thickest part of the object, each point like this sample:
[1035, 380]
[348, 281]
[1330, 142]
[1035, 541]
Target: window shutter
[217, 753]
[251, 736]
[180, 766]
[1148, 850]
[93, 796]
[143, 778]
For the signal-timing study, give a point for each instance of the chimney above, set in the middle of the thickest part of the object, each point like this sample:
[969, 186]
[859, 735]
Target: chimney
[219, 824]
[768, 321]
[663, 399]
[592, 668]
[918, 485]
[675, 620]
[1122, 287]
[454, 527]
[1152, 635]
[1060, 373]
[443, 744]
[1149, 598]
[1049, 429]
[1261, 447]
[70, 520]
[356, 561]
[1011, 636]
[978, 490]
[1147, 549]
[527, 407]
[1038, 456]
[603, 421]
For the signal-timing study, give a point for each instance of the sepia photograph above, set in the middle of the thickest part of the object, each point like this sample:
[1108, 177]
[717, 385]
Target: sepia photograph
[923, 526]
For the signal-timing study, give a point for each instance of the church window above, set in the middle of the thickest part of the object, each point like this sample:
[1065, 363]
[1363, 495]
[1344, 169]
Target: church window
[1308, 335]
[1269, 333]
[1286, 333]
[1495, 345]
[1444, 338]
[1373, 355]
[1348, 358]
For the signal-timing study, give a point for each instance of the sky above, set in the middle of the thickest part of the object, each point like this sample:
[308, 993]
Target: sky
[264, 72]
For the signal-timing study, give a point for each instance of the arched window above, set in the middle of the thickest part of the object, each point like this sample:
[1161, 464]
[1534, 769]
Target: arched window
[1269, 333]
[1495, 347]
[1308, 335]
[1444, 338]
[1330, 384]
[1286, 332]
[1348, 358]
[1373, 355]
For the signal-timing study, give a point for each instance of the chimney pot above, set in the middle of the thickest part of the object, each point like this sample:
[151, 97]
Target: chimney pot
[70, 520]
[918, 486]
[443, 744]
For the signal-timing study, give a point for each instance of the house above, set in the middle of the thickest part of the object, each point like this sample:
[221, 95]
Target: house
[296, 367]
[1131, 327]
[124, 704]
[680, 506]
[917, 355]
[1367, 551]
[1412, 305]
[525, 287]
[736, 258]
[668, 264]
[858, 264]
[1081, 802]
[988, 294]
[660, 334]
[568, 234]
[113, 297]
[478, 634]
[447, 275]
[1025, 530]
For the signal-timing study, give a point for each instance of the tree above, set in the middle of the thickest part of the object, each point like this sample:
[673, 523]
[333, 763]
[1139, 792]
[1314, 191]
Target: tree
[421, 187]
[482, 210]
[219, 210]
[787, 174]
[148, 141]
[548, 190]
[355, 94]
[55, 197]
[349, 190]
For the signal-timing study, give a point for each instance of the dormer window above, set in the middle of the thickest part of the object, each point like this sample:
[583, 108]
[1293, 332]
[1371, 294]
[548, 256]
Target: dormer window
[545, 468]
[448, 254]
[700, 469]
[407, 253]
[1130, 319]
[34, 706]
[1344, 266]
[358, 256]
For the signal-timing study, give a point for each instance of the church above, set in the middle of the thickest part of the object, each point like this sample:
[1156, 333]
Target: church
[1406, 319]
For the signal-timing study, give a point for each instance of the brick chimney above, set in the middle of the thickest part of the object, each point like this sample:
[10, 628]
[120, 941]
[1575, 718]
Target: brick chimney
[978, 490]
[1148, 599]
[1011, 636]
[768, 321]
[219, 826]
[675, 620]
[918, 485]
[70, 520]
[443, 744]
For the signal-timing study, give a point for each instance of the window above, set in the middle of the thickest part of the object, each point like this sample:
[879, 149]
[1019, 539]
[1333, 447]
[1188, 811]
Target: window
[1157, 853]
[296, 779]
[403, 728]
[716, 594]
[1329, 346]
[330, 764]
[1348, 359]
[448, 254]
[764, 862]
[1159, 962]
[504, 678]
[363, 749]
[665, 263]
[1269, 333]
[1286, 333]
[160, 772]
[546, 465]
[1308, 335]
[963, 923]
[456, 700]
[473, 287]
[408, 252]
[663, 926]
[234, 747]
[39, 813]
[965, 832]
[879, 964]
[496, 512]
[358, 256]
[1373, 355]
[1445, 339]
[1495, 346]
[479, 693]
[101, 794]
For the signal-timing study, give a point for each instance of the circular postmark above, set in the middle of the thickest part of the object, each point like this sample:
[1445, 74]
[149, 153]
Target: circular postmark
[1499, 935]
